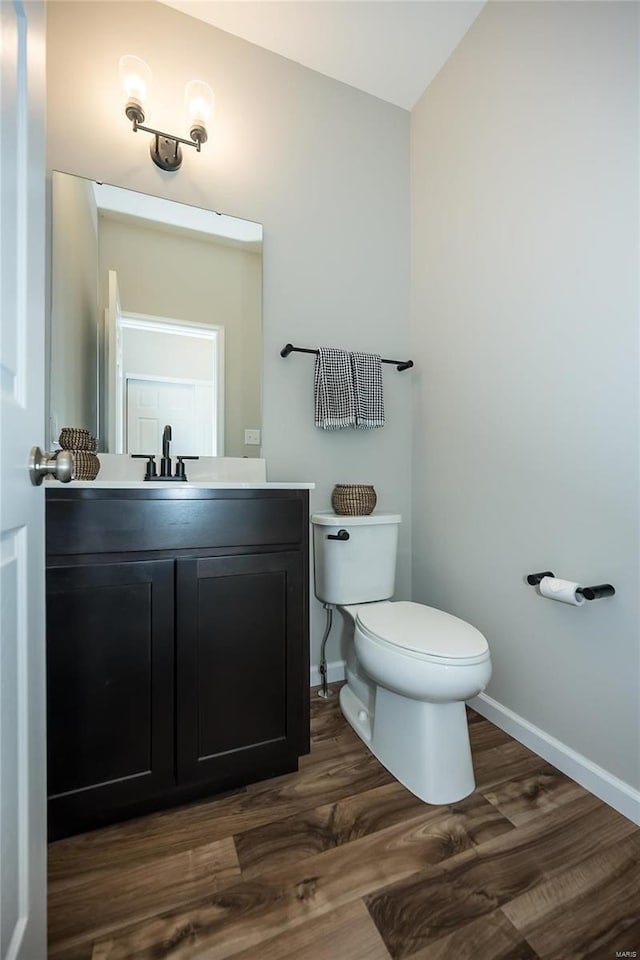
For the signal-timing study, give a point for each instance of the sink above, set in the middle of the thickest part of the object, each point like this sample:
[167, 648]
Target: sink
[118, 468]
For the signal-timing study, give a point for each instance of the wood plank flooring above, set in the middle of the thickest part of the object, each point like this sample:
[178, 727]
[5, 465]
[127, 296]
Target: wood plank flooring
[340, 862]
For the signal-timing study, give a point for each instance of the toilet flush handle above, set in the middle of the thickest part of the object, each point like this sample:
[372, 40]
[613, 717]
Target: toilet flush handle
[340, 535]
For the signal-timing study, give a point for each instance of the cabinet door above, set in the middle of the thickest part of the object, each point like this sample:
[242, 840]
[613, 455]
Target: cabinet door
[110, 676]
[240, 635]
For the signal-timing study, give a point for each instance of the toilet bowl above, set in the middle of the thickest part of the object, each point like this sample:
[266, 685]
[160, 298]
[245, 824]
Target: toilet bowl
[410, 667]
[422, 664]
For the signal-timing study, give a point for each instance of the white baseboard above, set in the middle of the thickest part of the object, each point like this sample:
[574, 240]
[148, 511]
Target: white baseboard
[618, 794]
[335, 672]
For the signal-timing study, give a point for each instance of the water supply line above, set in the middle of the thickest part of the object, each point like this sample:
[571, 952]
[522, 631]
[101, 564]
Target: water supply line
[325, 692]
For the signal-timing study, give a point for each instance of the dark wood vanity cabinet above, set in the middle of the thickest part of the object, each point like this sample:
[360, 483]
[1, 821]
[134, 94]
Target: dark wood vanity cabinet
[173, 672]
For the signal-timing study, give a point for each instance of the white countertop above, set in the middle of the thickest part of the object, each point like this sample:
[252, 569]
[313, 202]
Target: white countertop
[173, 485]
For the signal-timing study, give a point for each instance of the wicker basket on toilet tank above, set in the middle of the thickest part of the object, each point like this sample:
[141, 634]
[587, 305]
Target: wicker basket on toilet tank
[353, 499]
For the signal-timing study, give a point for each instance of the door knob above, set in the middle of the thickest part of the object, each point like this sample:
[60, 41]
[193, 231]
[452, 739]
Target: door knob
[59, 464]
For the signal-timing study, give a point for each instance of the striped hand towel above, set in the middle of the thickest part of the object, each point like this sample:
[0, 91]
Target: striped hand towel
[335, 405]
[367, 384]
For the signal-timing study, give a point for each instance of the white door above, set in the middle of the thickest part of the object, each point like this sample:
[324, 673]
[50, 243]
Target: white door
[22, 654]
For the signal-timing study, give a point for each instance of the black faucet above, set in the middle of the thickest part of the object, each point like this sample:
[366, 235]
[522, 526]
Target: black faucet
[165, 463]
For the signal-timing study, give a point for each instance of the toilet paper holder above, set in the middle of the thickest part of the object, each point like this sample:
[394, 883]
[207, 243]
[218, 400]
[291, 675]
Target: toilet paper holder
[596, 592]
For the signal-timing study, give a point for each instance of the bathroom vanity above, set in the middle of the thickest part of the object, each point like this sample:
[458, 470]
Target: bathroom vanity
[177, 644]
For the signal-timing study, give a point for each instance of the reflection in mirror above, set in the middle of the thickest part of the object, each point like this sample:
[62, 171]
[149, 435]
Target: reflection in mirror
[156, 318]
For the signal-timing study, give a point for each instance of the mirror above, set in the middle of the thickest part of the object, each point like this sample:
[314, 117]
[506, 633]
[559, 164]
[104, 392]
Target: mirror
[156, 318]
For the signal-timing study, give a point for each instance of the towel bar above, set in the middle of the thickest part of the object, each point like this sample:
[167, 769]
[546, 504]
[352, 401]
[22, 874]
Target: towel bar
[289, 348]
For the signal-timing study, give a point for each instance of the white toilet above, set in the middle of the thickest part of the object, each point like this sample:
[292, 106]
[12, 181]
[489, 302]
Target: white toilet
[410, 667]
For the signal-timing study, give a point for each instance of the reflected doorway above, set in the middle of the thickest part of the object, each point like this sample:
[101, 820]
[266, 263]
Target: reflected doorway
[168, 371]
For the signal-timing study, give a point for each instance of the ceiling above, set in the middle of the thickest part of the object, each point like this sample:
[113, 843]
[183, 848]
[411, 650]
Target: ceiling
[391, 49]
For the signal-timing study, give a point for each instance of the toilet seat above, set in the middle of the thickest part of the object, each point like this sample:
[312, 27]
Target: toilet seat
[421, 632]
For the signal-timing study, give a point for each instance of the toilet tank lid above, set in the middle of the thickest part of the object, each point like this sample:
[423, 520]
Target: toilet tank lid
[330, 519]
[422, 629]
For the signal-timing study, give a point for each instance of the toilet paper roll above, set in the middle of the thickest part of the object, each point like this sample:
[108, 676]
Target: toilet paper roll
[563, 590]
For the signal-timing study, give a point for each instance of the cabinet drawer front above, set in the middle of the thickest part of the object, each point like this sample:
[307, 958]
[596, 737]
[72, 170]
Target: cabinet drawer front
[119, 525]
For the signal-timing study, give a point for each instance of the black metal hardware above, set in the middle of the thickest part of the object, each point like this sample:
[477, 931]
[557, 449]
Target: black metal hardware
[167, 479]
[180, 473]
[340, 535]
[589, 593]
[165, 147]
[165, 462]
[289, 348]
[597, 592]
[151, 471]
[534, 578]
[169, 136]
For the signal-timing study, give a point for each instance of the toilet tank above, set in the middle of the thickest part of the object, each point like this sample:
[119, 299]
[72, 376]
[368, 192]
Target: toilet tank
[360, 568]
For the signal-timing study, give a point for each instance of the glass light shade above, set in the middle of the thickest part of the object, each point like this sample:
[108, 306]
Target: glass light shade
[198, 98]
[135, 78]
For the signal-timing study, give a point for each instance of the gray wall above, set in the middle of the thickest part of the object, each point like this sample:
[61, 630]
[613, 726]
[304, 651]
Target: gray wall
[525, 329]
[322, 166]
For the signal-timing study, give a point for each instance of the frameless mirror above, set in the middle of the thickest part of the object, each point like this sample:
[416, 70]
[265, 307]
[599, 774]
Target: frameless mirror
[156, 318]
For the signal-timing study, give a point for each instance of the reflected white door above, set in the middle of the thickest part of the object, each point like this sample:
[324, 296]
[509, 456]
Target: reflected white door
[22, 652]
[151, 404]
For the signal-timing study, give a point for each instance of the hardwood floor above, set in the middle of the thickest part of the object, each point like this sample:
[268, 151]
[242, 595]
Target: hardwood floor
[340, 862]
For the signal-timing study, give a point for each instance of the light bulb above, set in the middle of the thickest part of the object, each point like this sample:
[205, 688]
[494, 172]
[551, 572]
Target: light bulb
[135, 80]
[198, 98]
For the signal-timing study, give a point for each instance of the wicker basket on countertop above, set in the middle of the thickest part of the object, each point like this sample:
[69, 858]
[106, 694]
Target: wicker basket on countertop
[82, 445]
[86, 465]
[77, 438]
[353, 499]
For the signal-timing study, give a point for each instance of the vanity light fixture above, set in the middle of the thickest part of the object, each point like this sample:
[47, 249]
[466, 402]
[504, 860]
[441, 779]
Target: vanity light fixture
[166, 152]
